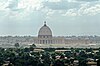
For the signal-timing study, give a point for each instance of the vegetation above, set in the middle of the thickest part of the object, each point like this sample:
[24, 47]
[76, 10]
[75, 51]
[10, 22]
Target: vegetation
[27, 57]
[16, 45]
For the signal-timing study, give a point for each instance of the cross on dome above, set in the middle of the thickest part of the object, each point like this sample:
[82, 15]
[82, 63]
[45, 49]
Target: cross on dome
[44, 23]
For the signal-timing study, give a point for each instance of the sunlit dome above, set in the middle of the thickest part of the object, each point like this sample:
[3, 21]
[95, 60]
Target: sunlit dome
[45, 31]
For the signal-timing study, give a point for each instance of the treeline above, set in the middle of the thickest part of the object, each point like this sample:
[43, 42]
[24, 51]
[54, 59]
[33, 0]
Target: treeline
[48, 57]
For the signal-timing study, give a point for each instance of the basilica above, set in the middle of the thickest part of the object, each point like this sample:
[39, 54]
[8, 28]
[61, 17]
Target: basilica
[45, 36]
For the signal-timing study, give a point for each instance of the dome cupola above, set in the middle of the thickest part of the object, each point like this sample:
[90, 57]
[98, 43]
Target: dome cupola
[45, 31]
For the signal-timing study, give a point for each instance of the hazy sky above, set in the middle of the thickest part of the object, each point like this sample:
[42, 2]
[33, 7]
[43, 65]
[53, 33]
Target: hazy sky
[64, 17]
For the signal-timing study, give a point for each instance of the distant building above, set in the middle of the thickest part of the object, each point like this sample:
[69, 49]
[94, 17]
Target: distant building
[45, 36]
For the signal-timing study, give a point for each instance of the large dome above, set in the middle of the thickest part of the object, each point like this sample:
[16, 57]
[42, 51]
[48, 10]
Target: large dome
[45, 31]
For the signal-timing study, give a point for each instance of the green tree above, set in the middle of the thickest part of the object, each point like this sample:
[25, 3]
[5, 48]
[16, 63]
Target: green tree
[16, 45]
[32, 47]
